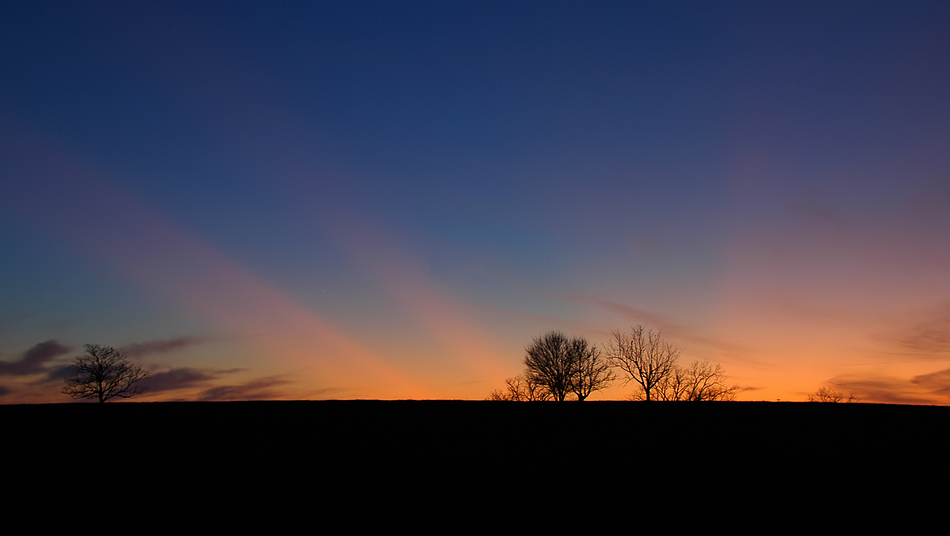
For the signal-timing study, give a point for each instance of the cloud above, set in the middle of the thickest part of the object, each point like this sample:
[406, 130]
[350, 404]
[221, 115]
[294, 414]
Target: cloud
[665, 325]
[160, 346]
[179, 378]
[937, 383]
[260, 389]
[183, 378]
[931, 336]
[34, 360]
[924, 336]
[58, 374]
[639, 315]
[889, 389]
[5, 323]
[320, 393]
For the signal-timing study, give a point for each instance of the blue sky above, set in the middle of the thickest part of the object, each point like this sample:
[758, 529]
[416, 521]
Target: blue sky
[390, 200]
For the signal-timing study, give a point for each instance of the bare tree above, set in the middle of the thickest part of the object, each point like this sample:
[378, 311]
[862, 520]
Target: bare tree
[674, 387]
[643, 357]
[548, 363]
[591, 371]
[103, 373]
[698, 382]
[827, 394]
[521, 388]
[560, 365]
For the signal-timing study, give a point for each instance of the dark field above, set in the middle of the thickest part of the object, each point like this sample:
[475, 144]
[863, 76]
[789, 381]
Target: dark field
[456, 455]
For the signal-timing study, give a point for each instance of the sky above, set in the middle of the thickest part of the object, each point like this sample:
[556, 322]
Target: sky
[389, 200]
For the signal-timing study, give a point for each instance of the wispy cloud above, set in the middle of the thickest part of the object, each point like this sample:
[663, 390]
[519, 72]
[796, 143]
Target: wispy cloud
[323, 393]
[925, 337]
[937, 383]
[931, 336]
[181, 378]
[35, 359]
[160, 346]
[637, 315]
[665, 325]
[259, 389]
[58, 374]
[893, 390]
[7, 322]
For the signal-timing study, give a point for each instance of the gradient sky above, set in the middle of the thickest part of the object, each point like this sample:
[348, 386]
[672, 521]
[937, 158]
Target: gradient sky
[391, 199]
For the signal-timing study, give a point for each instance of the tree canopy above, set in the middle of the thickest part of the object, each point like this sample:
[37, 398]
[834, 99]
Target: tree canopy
[643, 357]
[103, 373]
[562, 365]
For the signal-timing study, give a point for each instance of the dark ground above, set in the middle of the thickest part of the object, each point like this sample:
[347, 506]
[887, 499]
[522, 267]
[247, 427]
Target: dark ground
[416, 459]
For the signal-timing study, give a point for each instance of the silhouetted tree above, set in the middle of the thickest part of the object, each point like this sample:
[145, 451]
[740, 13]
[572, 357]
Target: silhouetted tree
[591, 372]
[643, 357]
[827, 394]
[521, 388]
[557, 366]
[698, 382]
[103, 373]
[548, 362]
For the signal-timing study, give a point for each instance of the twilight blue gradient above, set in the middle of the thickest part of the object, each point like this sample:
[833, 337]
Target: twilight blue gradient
[432, 184]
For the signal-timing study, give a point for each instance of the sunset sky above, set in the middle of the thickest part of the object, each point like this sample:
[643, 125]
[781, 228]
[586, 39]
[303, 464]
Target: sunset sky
[391, 199]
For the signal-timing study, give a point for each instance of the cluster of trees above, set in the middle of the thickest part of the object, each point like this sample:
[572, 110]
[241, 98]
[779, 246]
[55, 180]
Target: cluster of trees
[827, 394]
[557, 367]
